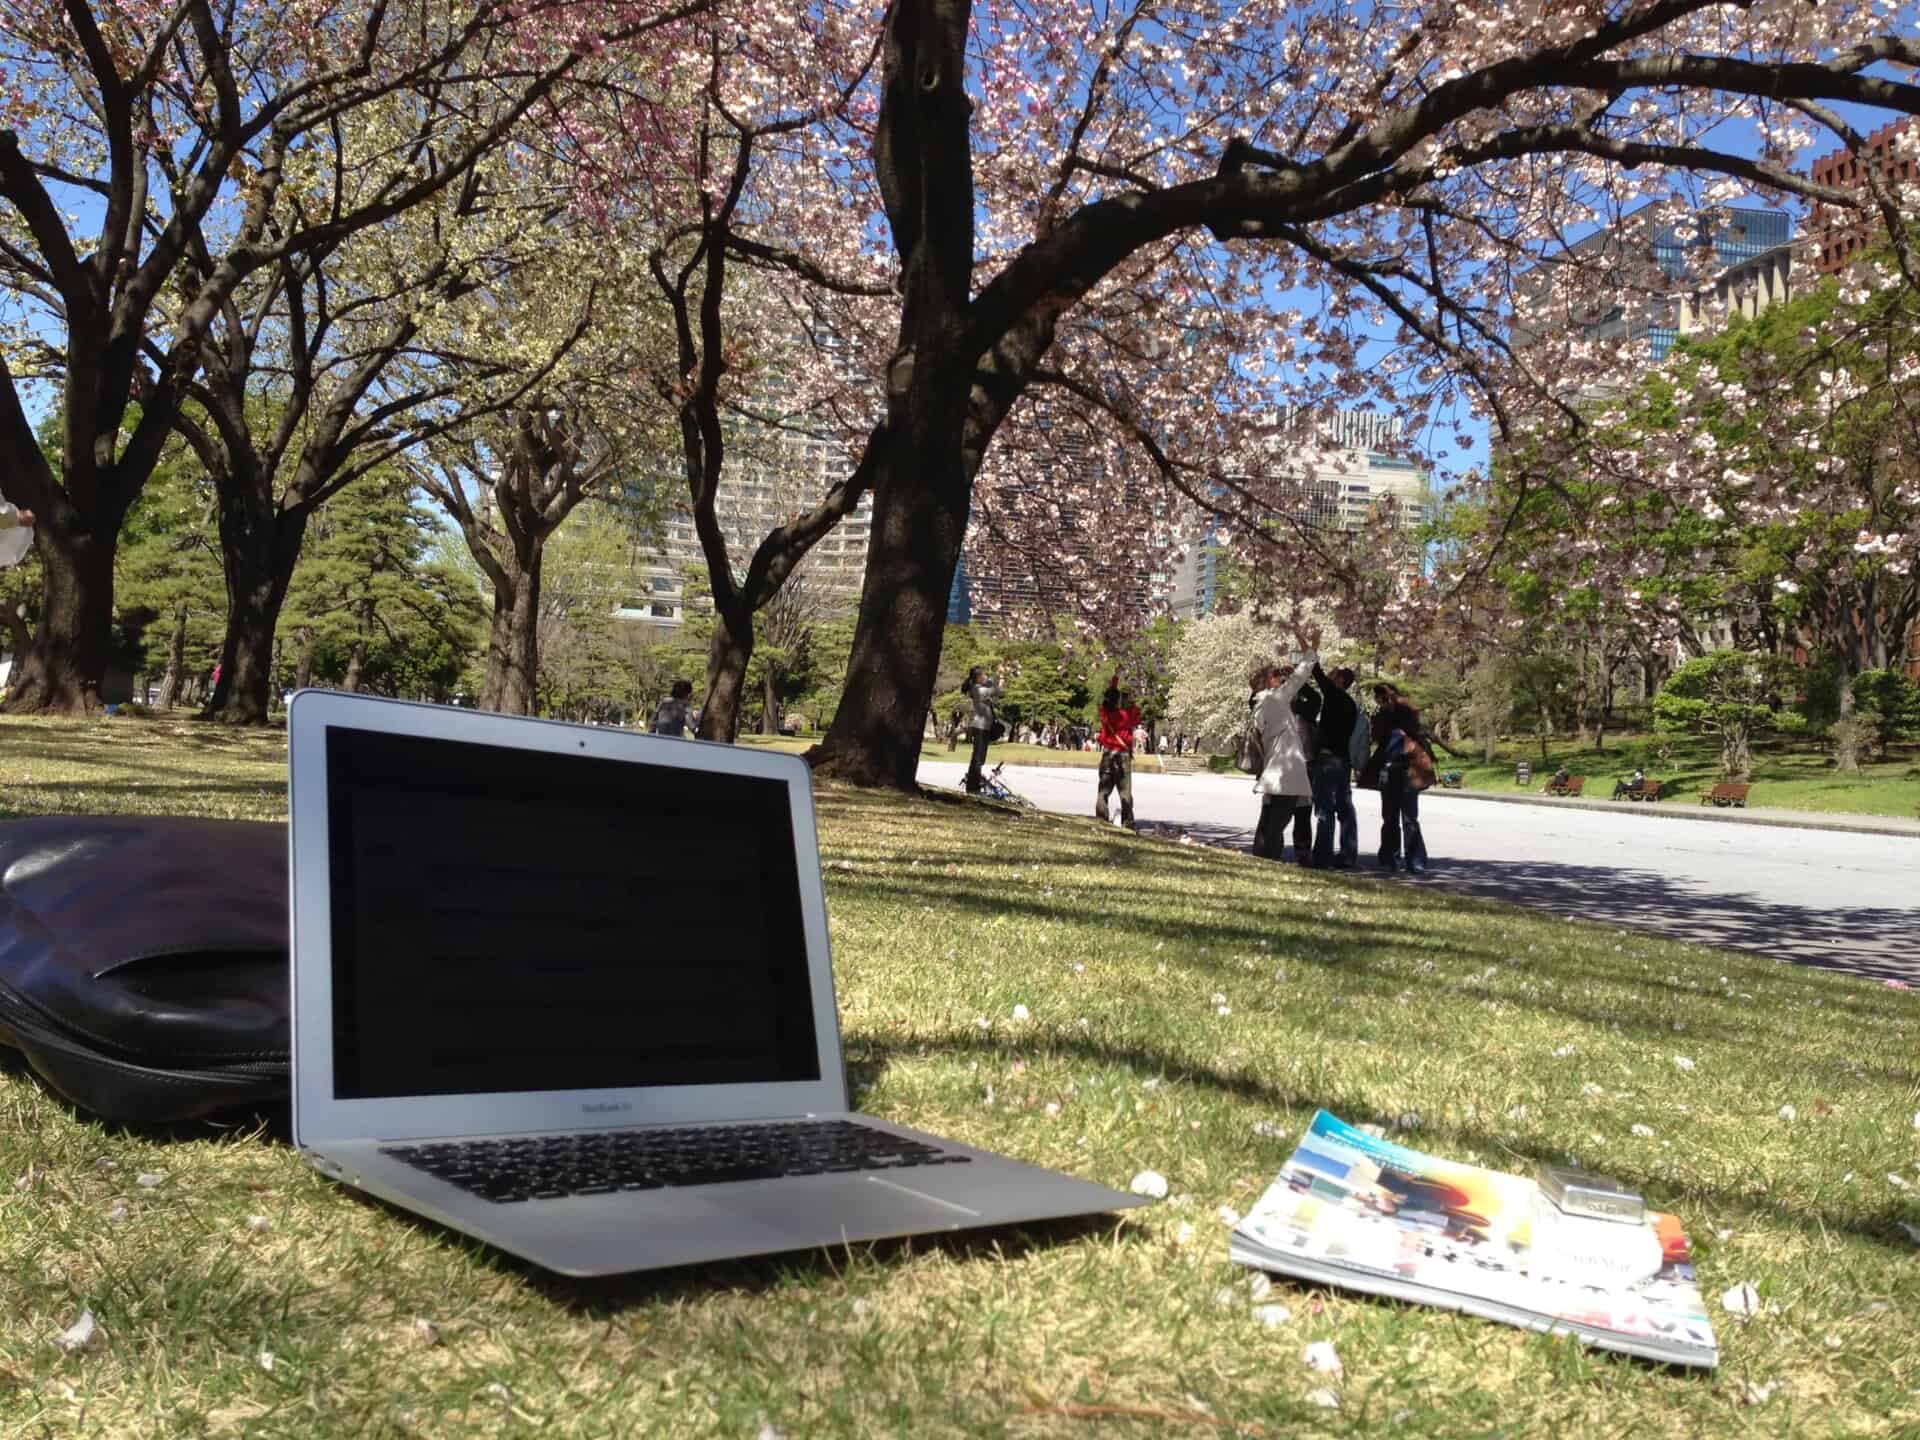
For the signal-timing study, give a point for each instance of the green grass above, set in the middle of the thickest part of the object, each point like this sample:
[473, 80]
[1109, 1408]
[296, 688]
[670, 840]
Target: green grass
[1786, 776]
[1483, 1026]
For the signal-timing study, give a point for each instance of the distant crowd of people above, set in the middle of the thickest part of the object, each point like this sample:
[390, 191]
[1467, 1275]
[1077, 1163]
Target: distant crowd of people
[1307, 738]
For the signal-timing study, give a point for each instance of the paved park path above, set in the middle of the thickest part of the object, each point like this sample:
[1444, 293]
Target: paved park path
[1838, 900]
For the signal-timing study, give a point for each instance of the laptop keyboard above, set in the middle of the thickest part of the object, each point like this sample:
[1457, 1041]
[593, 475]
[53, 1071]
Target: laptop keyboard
[601, 1162]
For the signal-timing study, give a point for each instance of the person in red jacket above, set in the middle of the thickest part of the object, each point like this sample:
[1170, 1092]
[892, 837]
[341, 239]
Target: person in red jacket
[1119, 718]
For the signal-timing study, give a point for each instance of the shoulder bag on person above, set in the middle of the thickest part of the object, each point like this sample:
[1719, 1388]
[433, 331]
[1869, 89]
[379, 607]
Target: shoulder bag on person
[143, 961]
[1252, 756]
[1420, 770]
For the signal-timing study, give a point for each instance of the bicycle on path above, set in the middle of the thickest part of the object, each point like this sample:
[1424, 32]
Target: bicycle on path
[995, 788]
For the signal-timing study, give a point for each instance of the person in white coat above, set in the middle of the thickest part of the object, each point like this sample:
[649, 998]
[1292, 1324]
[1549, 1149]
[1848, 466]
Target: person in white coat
[16, 535]
[1286, 788]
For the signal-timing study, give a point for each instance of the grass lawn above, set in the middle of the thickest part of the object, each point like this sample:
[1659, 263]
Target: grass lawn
[1786, 776]
[242, 1294]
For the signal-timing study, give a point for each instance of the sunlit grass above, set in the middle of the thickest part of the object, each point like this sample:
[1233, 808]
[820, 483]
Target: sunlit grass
[1498, 1036]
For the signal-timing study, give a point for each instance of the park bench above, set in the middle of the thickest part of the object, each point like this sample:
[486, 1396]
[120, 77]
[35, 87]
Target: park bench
[1570, 787]
[1648, 791]
[1724, 794]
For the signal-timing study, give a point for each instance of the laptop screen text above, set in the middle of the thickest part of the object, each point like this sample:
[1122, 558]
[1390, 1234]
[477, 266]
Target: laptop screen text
[517, 920]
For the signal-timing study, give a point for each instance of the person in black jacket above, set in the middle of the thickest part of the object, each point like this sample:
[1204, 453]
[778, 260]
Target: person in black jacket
[1330, 771]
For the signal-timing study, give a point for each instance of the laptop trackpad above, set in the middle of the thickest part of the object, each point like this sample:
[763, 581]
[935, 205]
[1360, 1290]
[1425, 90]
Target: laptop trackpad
[850, 1207]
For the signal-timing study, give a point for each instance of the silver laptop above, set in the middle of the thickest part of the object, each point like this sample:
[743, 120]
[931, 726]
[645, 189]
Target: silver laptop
[567, 990]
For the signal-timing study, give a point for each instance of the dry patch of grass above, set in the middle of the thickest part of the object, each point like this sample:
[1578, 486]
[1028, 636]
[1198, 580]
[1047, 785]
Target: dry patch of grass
[243, 1294]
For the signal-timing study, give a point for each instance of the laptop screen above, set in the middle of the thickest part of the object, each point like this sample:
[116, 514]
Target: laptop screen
[518, 920]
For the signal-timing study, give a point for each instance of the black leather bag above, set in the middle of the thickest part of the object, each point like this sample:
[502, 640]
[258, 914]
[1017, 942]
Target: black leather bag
[143, 961]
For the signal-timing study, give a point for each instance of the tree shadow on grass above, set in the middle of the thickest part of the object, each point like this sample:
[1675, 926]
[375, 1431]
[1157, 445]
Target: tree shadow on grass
[1881, 943]
[1208, 942]
[1757, 1200]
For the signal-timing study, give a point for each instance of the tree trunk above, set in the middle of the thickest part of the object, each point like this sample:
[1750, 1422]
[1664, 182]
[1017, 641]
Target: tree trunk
[727, 656]
[770, 713]
[303, 663]
[176, 661]
[61, 670]
[513, 641]
[1736, 751]
[1846, 731]
[259, 545]
[919, 521]
[356, 662]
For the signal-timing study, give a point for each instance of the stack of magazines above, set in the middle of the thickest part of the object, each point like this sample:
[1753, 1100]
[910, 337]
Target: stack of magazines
[1353, 1210]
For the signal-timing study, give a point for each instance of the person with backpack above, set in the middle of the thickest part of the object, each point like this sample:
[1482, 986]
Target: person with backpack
[670, 718]
[1404, 766]
[1119, 718]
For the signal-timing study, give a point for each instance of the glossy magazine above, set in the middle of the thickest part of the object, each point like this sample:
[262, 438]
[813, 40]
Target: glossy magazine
[1352, 1210]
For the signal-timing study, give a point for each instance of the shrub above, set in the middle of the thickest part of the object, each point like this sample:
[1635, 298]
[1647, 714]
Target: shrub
[1731, 694]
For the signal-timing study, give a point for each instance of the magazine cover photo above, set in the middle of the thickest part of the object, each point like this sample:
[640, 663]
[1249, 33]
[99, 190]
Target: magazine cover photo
[1352, 1209]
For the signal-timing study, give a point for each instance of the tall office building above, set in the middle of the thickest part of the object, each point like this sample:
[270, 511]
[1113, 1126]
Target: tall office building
[1893, 151]
[997, 583]
[765, 485]
[1655, 277]
[1324, 472]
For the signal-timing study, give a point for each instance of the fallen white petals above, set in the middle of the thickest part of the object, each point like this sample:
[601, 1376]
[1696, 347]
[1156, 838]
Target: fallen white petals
[80, 1335]
[1021, 1013]
[117, 1213]
[1751, 1393]
[265, 1360]
[259, 1224]
[1591, 1090]
[1218, 998]
[1789, 1114]
[1223, 1010]
[1645, 1132]
[1325, 1399]
[1150, 1183]
[500, 1392]
[105, 1166]
[425, 1331]
[1321, 1356]
[147, 1179]
[1271, 1315]
[1682, 1062]
[1269, 1130]
[767, 1432]
[1562, 1052]
[1898, 1182]
[1228, 1215]
[1742, 1299]
[1183, 1233]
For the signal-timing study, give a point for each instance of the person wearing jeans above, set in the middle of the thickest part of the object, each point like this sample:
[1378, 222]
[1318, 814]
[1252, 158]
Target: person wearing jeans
[1400, 820]
[1397, 724]
[1331, 772]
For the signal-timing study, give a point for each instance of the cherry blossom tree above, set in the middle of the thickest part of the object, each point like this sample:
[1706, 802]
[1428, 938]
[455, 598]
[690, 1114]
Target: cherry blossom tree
[147, 154]
[1168, 219]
